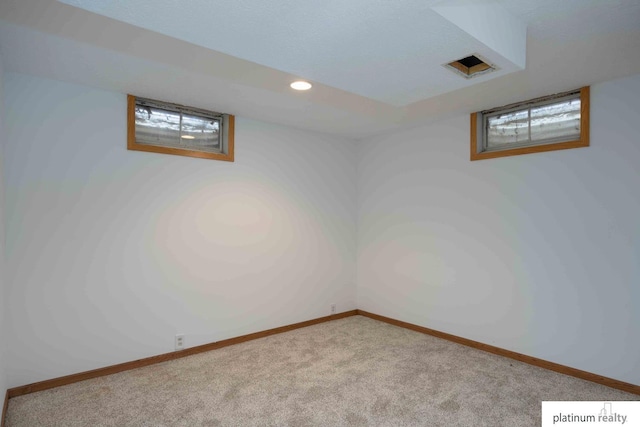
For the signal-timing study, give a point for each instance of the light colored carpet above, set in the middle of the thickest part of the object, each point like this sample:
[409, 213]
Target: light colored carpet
[349, 372]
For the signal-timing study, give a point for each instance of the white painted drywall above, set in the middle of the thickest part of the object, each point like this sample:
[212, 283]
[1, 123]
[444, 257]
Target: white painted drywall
[3, 329]
[113, 252]
[538, 254]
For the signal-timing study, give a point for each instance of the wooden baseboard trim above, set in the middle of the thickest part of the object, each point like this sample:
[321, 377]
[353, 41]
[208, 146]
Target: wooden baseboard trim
[4, 408]
[73, 378]
[556, 367]
[100, 372]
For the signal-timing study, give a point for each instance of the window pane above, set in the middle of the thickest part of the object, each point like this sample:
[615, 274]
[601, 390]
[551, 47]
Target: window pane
[561, 120]
[157, 127]
[554, 122]
[163, 128]
[508, 128]
[200, 133]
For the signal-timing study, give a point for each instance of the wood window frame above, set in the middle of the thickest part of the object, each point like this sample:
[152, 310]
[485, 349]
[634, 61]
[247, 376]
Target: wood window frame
[227, 156]
[583, 141]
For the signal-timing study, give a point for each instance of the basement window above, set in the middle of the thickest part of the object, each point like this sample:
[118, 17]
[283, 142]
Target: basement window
[163, 127]
[555, 122]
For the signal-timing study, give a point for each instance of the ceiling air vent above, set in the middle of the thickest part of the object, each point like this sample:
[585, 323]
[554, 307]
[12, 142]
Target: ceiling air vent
[470, 66]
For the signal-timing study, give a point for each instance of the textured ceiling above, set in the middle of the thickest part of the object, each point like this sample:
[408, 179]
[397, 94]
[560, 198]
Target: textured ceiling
[389, 51]
[376, 64]
[574, 19]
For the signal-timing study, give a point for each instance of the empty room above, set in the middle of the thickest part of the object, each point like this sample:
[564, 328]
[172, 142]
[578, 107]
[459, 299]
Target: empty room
[320, 213]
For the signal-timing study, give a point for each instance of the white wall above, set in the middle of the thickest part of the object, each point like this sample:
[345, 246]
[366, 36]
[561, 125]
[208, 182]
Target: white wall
[112, 252]
[539, 254]
[3, 306]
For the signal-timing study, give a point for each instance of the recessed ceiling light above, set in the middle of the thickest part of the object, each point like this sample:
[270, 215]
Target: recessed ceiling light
[301, 85]
[187, 137]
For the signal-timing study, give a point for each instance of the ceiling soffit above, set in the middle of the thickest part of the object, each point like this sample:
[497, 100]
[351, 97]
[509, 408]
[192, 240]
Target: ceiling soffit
[390, 52]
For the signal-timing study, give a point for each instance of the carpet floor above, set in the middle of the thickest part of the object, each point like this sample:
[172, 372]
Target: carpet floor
[349, 372]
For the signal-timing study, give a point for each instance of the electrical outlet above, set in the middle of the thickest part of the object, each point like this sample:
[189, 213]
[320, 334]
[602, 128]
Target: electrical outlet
[179, 342]
[333, 309]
